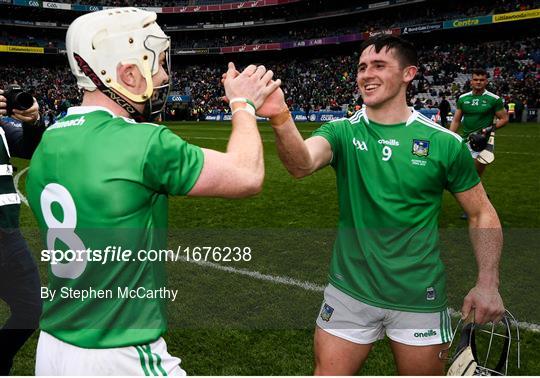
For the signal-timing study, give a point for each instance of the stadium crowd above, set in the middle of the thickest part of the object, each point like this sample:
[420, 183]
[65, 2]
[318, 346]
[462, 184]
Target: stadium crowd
[362, 22]
[329, 83]
[146, 3]
[214, 37]
[500, 5]
[54, 87]
[514, 65]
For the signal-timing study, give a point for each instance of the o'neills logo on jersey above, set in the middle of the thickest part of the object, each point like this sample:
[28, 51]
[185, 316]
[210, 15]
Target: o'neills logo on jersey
[391, 142]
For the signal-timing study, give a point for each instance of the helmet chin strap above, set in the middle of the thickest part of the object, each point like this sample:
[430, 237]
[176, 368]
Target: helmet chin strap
[146, 115]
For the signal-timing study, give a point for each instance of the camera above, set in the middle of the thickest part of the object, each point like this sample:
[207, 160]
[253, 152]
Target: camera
[16, 98]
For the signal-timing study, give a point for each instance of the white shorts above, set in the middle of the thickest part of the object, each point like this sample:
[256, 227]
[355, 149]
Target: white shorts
[355, 321]
[55, 357]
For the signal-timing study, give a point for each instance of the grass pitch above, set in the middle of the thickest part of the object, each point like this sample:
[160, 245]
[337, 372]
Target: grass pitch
[242, 321]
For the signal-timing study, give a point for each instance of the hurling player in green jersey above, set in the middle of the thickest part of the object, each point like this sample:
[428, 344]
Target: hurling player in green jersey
[100, 180]
[392, 165]
[475, 111]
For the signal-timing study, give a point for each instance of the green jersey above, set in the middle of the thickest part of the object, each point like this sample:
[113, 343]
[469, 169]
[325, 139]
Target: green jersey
[98, 182]
[390, 181]
[478, 110]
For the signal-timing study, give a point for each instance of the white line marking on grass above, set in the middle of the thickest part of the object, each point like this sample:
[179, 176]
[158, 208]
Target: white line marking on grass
[517, 153]
[517, 136]
[16, 182]
[260, 276]
[308, 285]
[522, 325]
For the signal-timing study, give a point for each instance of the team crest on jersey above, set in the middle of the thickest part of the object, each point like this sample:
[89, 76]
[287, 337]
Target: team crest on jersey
[326, 312]
[420, 147]
[430, 294]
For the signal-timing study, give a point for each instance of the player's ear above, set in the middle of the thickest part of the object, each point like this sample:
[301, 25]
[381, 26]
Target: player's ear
[409, 73]
[129, 76]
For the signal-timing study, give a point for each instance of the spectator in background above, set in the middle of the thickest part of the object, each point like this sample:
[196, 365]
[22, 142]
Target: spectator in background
[519, 109]
[19, 277]
[418, 104]
[444, 109]
[511, 110]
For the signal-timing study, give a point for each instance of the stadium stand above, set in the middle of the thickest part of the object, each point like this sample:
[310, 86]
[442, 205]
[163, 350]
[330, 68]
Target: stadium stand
[223, 28]
[328, 83]
[321, 80]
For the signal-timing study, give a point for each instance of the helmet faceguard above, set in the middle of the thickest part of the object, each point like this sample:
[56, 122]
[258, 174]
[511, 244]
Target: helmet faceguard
[474, 339]
[98, 42]
[158, 99]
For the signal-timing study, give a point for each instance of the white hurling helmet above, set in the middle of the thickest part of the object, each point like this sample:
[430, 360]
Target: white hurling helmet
[98, 42]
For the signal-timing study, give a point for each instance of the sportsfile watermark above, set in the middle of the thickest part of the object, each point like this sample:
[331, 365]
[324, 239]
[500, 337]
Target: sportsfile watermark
[119, 254]
[281, 286]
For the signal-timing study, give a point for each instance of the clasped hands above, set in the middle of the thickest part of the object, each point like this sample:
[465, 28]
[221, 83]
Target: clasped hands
[256, 84]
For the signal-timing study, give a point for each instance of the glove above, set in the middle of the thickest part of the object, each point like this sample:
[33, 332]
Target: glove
[479, 141]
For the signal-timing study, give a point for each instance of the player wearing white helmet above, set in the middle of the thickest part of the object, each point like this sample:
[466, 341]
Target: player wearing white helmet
[99, 180]
[97, 42]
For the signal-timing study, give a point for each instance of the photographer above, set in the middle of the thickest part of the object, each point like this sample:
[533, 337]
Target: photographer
[19, 278]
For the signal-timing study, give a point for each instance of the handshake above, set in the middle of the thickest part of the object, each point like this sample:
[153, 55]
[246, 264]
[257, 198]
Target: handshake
[255, 87]
[16, 103]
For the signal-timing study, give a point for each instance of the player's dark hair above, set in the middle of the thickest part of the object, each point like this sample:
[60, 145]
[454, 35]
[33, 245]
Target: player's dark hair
[479, 72]
[404, 50]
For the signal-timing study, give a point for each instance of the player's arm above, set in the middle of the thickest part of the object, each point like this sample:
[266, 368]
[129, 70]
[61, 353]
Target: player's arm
[486, 237]
[238, 172]
[300, 157]
[456, 120]
[502, 118]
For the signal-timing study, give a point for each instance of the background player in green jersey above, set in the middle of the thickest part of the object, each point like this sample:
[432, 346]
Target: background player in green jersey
[475, 111]
[392, 165]
[99, 181]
